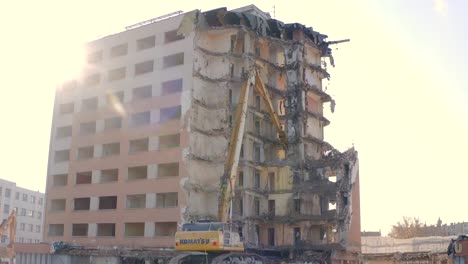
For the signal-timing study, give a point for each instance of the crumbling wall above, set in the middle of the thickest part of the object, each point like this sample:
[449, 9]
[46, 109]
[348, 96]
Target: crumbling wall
[289, 57]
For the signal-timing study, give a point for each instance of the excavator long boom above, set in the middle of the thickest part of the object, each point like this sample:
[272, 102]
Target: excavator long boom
[230, 170]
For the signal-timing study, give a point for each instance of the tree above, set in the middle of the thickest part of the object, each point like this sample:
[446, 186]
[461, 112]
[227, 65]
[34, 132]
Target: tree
[409, 227]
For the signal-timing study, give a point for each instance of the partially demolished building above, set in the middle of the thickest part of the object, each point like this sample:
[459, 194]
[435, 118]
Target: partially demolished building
[154, 134]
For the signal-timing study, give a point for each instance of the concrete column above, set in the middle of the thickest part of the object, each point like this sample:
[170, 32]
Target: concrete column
[127, 95]
[97, 150]
[94, 203]
[102, 100]
[154, 116]
[149, 229]
[96, 176]
[156, 90]
[152, 171]
[158, 64]
[92, 229]
[150, 200]
[99, 125]
[153, 143]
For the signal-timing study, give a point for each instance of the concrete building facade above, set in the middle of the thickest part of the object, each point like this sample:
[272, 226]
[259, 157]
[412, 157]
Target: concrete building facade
[139, 139]
[29, 206]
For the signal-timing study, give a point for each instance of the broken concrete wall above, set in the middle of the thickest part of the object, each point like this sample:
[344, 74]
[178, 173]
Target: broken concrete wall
[273, 184]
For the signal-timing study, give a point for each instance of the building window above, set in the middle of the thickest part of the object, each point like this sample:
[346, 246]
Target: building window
[22, 226]
[23, 212]
[87, 128]
[165, 228]
[241, 179]
[134, 229]
[257, 207]
[32, 199]
[112, 123]
[146, 43]
[55, 230]
[84, 177]
[66, 108]
[144, 67]
[89, 104]
[92, 80]
[110, 175]
[136, 201]
[107, 202]
[59, 180]
[38, 228]
[137, 173]
[257, 179]
[85, 153]
[164, 200]
[57, 205]
[119, 50]
[40, 201]
[115, 99]
[30, 227]
[169, 141]
[257, 155]
[168, 170]
[271, 237]
[7, 193]
[138, 145]
[17, 196]
[271, 206]
[140, 119]
[25, 197]
[271, 181]
[31, 213]
[172, 86]
[241, 207]
[116, 74]
[173, 60]
[61, 156]
[105, 229]
[172, 36]
[63, 132]
[79, 229]
[6, 208]
[297, 206]
[80, 204]
[110, 149]
[94, 57]
[170, 113]
[39, 215]
[142, 92]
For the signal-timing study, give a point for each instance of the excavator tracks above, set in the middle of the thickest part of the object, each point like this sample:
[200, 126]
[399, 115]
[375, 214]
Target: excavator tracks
[206, 258]
[238, 258]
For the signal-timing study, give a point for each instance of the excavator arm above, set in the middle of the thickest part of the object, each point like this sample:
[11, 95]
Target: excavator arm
[220, 236]
[10, 223]
[230, 172]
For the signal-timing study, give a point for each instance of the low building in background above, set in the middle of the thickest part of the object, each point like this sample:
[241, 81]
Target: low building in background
[29, 206]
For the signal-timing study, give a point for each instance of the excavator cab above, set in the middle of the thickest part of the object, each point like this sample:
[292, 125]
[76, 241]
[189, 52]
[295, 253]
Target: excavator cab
[208, 236]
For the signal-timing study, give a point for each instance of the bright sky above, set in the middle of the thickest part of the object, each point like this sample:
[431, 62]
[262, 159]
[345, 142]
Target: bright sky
[400, 86]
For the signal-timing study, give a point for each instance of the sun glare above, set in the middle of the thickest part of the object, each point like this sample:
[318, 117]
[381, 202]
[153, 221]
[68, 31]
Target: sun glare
[68, 62]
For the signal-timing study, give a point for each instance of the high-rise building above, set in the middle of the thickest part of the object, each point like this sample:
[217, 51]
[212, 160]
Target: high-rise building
[29, 206]
[139, 138]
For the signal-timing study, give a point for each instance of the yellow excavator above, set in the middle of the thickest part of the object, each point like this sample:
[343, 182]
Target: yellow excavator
[8, 252]
[220, 239]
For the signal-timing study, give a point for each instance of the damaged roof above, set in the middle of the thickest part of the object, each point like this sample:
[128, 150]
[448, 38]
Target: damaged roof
[260, 25]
